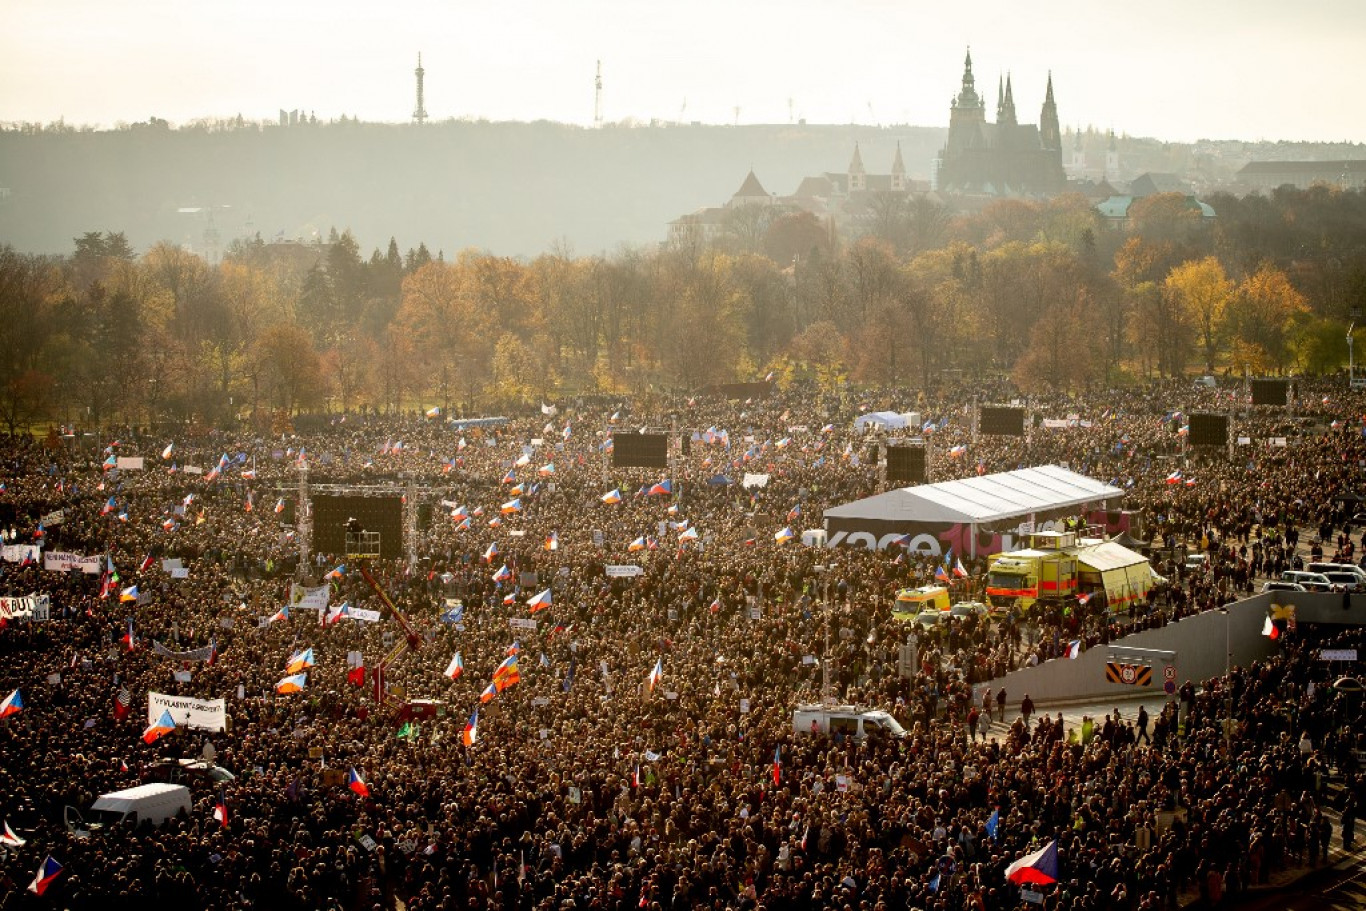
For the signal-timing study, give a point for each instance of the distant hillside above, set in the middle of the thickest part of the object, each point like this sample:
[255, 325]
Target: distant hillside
[509, 188]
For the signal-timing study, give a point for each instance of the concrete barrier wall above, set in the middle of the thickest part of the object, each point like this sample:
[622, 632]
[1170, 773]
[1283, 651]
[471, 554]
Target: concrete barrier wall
[1198, 643]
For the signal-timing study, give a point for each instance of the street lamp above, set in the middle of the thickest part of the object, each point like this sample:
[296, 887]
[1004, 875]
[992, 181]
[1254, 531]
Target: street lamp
[1351, 363]
[1228, 693]
[822, 569]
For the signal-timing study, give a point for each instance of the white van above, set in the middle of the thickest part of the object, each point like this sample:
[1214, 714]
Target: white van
[1327, 568]
[154, 803]
[849, 720]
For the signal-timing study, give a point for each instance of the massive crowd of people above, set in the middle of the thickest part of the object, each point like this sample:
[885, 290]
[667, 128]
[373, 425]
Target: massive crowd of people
[646, 757]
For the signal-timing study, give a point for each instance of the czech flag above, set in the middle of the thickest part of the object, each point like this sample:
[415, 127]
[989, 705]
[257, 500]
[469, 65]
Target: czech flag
[784, 535]
[1174, 477]
[49, 871]
[612, 496]
[7, 837]
[129, 594]
[552, 541]
[546, 470]
[294, 683]
[506, 674]
[491, 552]
[540, 602]
[509, 478]
[220, 811]
[129, 638]
[336, 573]
[941, 574]
[689, 534]
[336, 613]
[1074, 648]
[777, 764]
[487, 695]
[503, 575]
[455, 668]
[281, 614]
[471, 733]
[960, 570]
[108, 507]
[433, 412]
[162, 726]
[249, 474]
[166, 453]
[1041, 867]
[13, 705]
[794, 512]
[522, 461]
[511, 506]
[300, 660]
[637, 544]
[664, 487]
[357, 784]
[956, 451]
[279, 506]
[656, 674]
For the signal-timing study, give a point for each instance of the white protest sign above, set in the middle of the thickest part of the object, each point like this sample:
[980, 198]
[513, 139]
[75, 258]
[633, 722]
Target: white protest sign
[208, 715]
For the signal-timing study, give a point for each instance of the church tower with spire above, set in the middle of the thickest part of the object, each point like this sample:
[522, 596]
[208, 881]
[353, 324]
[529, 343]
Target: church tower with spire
[1005, 158]
[898, 181]
[858, 175]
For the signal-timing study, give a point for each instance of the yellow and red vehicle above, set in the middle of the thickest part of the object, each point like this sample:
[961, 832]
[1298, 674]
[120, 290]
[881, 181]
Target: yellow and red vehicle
[1056, 568]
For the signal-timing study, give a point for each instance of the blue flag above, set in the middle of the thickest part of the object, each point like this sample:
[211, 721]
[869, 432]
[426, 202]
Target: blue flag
[934, 883]
[994, 823]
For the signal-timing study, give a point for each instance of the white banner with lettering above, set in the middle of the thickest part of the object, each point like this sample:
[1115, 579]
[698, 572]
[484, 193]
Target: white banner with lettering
[18, 553]
[62, 562]
[29, 607]
[207, 715]
[308, 598]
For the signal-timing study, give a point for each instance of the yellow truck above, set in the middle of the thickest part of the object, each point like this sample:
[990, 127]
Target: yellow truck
[1057, 568]
[912, 602]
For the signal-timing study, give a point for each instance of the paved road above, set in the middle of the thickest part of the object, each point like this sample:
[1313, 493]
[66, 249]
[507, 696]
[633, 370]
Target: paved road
[1340, 887]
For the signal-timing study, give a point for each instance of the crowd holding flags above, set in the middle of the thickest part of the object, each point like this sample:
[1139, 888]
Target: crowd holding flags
[159, 728]
[8, 837]
[49, 871]
[294, 683]
[299, 661]
[13, 705]
[220, 810]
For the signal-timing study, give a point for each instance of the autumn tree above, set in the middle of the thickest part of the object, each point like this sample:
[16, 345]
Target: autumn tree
[1261, 311]
[1202, 291]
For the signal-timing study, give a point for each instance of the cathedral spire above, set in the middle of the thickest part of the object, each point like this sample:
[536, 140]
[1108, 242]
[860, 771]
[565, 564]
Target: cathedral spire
[1050, 133]
[898, 171]
[968, 98]
[1007, 112]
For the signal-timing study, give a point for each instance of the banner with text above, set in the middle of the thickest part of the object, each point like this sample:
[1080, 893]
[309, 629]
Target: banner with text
[207, 715]
[62, 562]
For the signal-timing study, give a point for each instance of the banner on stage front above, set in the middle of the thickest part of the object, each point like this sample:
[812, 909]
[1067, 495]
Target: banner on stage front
[62, 562]
[207, 715]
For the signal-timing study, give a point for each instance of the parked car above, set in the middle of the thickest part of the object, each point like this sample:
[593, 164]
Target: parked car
[1277, 586]
[1327, 568]
[1346, 582]
[186, 771]
[1314, 582]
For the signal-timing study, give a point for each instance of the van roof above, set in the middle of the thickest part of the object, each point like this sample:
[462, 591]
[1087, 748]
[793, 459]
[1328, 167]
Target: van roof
[122, 800]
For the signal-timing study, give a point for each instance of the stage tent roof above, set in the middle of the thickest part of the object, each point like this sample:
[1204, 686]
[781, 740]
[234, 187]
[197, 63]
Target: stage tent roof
[985, 498]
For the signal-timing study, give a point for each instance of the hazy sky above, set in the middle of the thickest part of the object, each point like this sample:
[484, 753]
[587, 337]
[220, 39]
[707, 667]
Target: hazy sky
[1173, 69]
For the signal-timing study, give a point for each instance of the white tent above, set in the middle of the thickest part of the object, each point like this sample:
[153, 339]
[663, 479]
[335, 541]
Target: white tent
[882, 420]
[970, 502]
